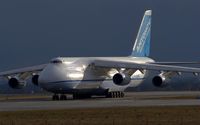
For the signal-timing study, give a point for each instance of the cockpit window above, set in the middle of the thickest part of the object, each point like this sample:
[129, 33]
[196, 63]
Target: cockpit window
[56, 61]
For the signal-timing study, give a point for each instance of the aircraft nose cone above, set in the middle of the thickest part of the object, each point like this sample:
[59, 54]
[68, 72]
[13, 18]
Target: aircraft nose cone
[54, 78]
[52, 73]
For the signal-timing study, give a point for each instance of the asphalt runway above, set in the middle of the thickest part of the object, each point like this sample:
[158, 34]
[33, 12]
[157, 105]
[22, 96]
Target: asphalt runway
[134, 99]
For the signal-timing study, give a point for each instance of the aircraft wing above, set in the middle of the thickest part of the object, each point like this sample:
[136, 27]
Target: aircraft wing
[143, 66]
[174, 63]
[31, 69]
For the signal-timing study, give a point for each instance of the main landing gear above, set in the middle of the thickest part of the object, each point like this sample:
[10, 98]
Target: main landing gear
[59, 97]
[76, 95]
[117, 94]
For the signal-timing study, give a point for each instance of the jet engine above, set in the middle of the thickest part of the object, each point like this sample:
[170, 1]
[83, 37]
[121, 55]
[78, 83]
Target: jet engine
[160, 81]
[121, 79]
[15, 83]
[35, 79]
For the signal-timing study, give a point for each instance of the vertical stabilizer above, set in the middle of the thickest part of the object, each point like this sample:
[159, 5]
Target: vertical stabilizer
[142, 43]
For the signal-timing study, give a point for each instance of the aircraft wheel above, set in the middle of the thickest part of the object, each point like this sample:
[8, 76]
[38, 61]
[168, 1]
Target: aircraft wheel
[63, 97]
[55, 97]
[112, 94]
[117, 94]
[122, 94]
[109, 95]
[75, 96]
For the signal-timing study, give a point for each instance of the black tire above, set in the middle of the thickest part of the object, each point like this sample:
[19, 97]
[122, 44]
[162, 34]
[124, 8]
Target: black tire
[63, 97]
[55, 97]
[122, 94]
[75, 96]
[116, 94]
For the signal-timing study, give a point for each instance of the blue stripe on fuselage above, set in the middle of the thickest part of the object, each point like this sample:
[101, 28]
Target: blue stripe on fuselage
[90, 80]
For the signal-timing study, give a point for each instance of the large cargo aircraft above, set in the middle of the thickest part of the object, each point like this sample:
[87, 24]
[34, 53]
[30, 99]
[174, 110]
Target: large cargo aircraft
[108, 76]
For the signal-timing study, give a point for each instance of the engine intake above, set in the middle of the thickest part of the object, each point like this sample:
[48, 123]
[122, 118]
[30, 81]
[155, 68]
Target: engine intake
[159, 81]
[35, 79]
[121, 79]
[16, 84]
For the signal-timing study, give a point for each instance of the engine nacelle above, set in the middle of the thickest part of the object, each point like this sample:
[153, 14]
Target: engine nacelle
[16, 83]
[35, 79]
[159, 81]
[121, 79]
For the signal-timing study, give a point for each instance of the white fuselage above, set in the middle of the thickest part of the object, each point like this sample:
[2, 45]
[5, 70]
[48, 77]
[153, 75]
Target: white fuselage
[66, 75]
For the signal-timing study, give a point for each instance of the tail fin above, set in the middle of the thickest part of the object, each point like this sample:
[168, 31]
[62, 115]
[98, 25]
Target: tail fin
[142, 43]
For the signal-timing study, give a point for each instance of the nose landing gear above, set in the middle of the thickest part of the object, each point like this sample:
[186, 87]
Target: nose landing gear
[57, 97]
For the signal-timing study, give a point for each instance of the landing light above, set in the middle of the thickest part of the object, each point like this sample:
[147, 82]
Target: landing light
[75, 75]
